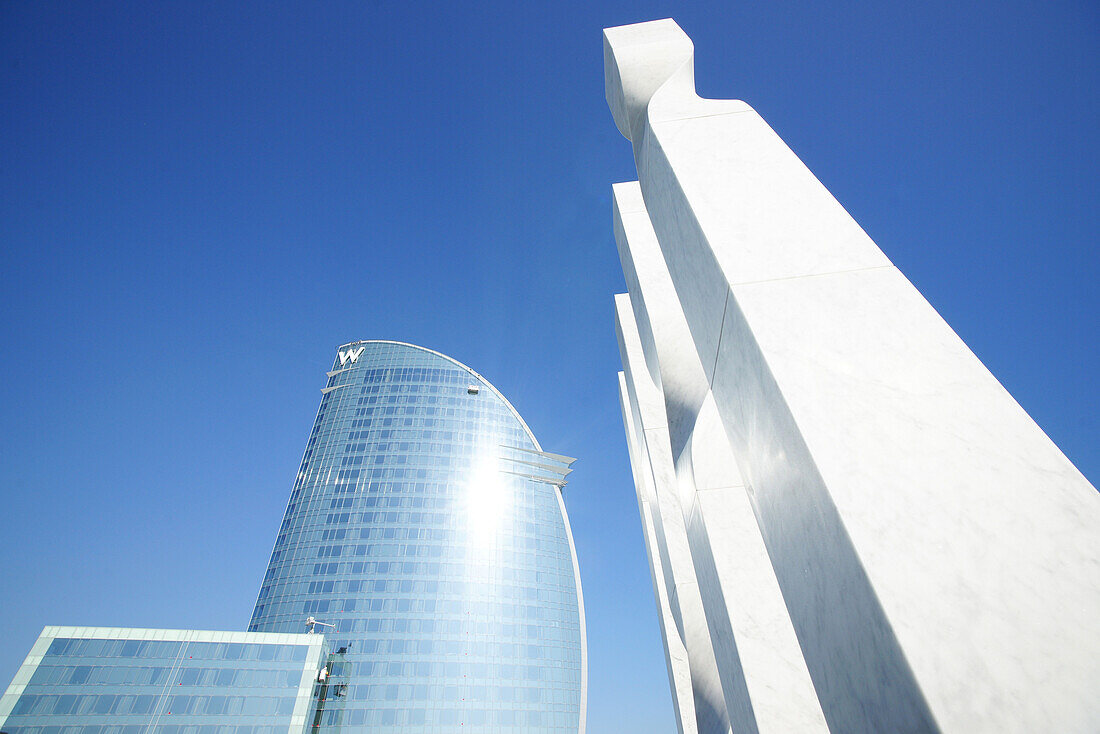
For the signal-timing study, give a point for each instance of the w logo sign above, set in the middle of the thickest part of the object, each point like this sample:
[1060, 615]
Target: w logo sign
[351, 355]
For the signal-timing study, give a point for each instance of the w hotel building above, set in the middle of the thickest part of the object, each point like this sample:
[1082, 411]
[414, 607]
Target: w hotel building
[427, 524]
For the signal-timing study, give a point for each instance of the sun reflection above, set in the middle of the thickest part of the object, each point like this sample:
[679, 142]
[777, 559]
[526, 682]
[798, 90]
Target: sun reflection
[488, 500]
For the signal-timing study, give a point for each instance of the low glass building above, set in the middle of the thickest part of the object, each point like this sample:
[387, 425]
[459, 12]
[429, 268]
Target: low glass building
[426, 526]
[105, 680]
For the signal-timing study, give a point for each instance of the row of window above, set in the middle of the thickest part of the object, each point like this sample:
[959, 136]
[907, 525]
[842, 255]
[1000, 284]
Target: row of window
[349, 522]
[441, 540]
[472, 694]
[431, 673]
[367, 423]
[431, 405]
[518, 559]
[423, 495]
[293, 569]
[287, 615]
[146, 729]
[435, 506]
[431, 375]
[414, 577]
[457, 440]
[456, 589]
[145, 675]
[416, 421]
[357, 568]
[110, 704]
[381, 473]
[409, 388]
[422, 428]
[561, 653]
[414, 605]
[520, 527]
[148, 649]
[479, 720]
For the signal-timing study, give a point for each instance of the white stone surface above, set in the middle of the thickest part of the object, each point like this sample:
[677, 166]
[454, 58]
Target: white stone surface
[676, 658]
[670, 531]
[763, 677]
[939, 557]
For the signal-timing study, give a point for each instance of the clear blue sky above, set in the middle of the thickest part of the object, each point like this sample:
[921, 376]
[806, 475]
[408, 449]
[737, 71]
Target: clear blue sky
[199, 201]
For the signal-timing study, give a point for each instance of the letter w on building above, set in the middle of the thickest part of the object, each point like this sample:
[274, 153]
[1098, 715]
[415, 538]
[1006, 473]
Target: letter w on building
[351, 355]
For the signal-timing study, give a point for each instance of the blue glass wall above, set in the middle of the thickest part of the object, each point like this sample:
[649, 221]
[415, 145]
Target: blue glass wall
[450, 577]
[96, 681]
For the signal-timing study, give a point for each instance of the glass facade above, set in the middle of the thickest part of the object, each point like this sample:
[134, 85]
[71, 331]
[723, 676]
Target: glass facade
[86, 680]
[427, 525]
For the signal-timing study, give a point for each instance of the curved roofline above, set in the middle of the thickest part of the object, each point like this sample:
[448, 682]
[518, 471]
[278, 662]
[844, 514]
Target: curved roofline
[469, 369]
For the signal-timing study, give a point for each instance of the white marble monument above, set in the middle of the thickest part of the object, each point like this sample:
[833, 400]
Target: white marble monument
[852, 526]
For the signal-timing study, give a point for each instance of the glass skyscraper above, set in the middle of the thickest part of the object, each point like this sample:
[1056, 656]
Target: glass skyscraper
[426, 526]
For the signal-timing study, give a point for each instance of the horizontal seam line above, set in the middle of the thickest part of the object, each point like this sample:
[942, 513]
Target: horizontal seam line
[810, 275]
[699, 117]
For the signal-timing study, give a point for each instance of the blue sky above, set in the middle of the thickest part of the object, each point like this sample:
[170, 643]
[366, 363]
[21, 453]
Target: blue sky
[199, 201]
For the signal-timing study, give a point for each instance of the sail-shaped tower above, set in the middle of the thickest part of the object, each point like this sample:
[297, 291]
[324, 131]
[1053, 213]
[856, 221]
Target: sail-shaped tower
[427, 537]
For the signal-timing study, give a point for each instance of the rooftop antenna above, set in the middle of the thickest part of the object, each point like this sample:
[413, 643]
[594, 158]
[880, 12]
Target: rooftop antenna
[312, 622]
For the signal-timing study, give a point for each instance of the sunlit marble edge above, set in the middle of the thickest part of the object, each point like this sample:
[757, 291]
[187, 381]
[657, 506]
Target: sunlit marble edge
[771, 677]
[669, 523]
[676, 660]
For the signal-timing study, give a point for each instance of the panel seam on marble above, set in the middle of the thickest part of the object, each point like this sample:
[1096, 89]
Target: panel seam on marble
[724, 486]
[811, 275]
[699, 117]
[721, 329]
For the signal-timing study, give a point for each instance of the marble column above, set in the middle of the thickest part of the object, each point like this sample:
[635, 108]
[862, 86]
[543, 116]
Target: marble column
[765, 684]
[643, 400]
[676, 657]
[937, 555]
